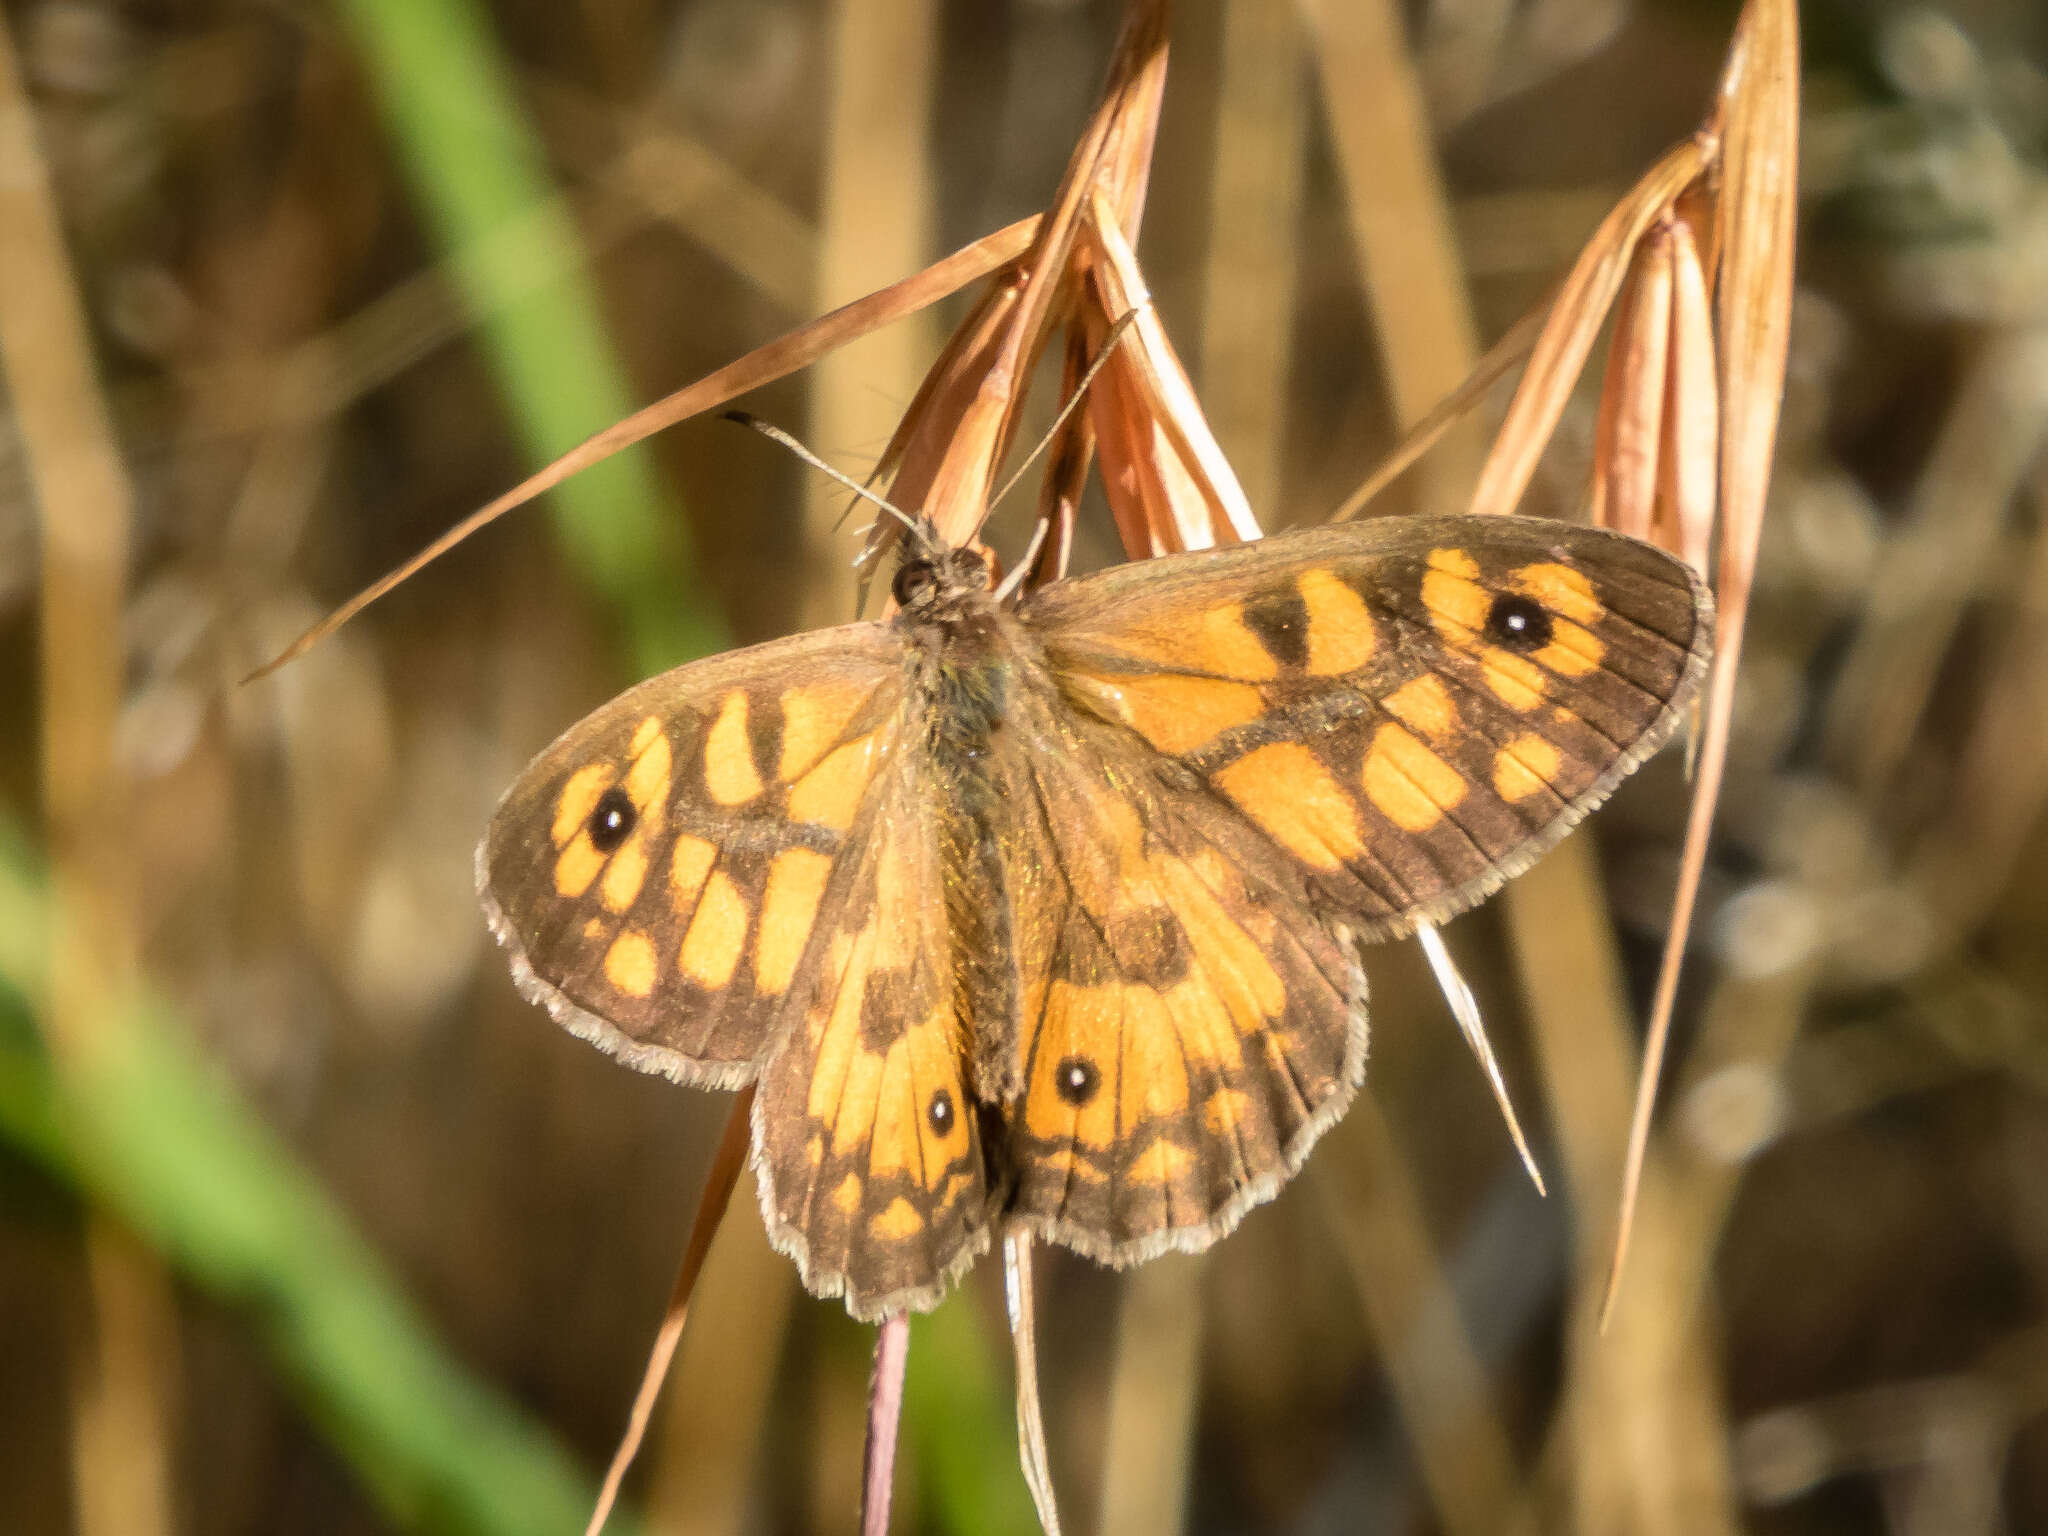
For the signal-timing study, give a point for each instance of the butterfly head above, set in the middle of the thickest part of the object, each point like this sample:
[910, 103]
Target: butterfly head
[934, 580]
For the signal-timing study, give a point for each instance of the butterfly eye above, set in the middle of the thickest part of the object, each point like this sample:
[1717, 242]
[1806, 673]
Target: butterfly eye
[611, 823]
[941, 1112]
[914, 578]
[1076, 1078]
[1519, 623]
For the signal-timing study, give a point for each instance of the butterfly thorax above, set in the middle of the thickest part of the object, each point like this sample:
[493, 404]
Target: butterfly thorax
[967, 658]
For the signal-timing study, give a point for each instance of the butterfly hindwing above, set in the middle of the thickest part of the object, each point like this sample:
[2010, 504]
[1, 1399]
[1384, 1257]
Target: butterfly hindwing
[1189, 1026]
[867, 1144]
[1412, 709]
[658, 871]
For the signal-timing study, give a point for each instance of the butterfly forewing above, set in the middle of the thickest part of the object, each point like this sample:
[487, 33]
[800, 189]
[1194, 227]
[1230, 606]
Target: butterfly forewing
[1413, 709]
[659, 872]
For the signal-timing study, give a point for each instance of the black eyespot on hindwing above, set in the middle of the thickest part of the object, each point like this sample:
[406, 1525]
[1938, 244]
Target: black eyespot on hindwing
[1076, 1078]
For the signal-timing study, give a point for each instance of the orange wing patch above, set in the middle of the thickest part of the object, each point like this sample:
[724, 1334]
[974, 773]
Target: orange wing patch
[1213, 641]
[717, 935]
[1459, 607]
[629, 964]
[1286, 789]
[1525, 768]
[580, 793]
[814, 718]
[829, 794]
[1409, 784]
[646, 786]
[1342, 637]
[1462, 611]
[1175, 712]
[1425, 706]
[1567, 596]
[730, 777]
[789, 905]
[689, 866]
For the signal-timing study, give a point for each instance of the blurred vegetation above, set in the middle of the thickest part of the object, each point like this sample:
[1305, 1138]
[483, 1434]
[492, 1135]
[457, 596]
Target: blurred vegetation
[351, 271]
[145, 1131]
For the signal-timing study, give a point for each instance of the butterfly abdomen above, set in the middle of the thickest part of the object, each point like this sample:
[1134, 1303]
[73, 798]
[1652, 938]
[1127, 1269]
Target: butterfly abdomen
[967, 682]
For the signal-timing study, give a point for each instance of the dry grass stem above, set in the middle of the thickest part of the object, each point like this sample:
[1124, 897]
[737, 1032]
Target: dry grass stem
[123, 1359]
[1153, 1389]
[1631, 431]
[1638, 1387]
[1465, 1009]
[885, 1415]
[1968, 856]
[1928, 574]
[305, 327]
[765, 364]
[1425, 434]
[1022, 1307]
[1689, 409]
[1105, 159]
[719, 1179]
[1755, 227]
[1065, 479]
[1691, 403]
[715, 1429]
[875, 222]
[1446, 1401]
[1414, 289]
[1199, 500]
[1688, 473]
[1574, 320]
[1401, 227]
[1262, 121]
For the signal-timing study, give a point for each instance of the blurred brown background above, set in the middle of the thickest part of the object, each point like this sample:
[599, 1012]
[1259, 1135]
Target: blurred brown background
[308, 1224]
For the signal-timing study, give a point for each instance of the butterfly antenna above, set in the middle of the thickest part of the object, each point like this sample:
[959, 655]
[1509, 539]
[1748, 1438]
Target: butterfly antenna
[769, 429]
[1109, 345]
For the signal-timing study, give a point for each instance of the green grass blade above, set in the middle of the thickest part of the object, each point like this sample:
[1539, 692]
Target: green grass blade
[479, 176]
[144, 1129]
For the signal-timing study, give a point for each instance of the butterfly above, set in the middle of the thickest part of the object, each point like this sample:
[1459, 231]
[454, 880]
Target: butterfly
[1044, 912]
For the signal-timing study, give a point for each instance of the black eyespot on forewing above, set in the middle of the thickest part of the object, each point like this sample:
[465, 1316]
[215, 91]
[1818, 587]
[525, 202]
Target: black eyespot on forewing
[612, 821]
[1518, 623]
[1279, 621]
[1076, 1079]
[940, 1113]
[914, 578]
